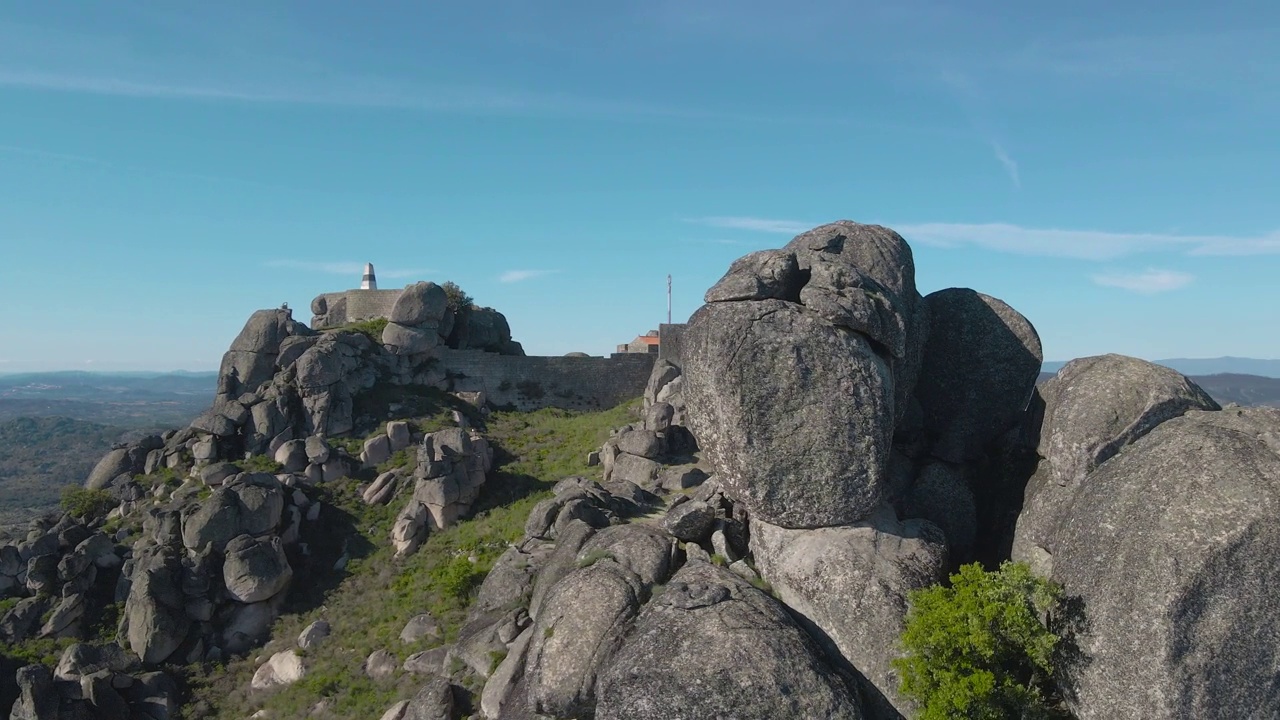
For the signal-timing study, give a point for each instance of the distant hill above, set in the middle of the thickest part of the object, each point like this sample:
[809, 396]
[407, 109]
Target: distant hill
[1227, 388]
[131, 399]
[1206, 366]
[40, 455]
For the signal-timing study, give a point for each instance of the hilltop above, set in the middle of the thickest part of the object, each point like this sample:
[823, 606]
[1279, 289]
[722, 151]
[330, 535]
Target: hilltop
[367, 522]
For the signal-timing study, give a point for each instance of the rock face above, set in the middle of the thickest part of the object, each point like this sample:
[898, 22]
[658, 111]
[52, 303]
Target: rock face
[1180, 620]
[1097, 405]
[980, 366]
[852, 583]
[795, 413]
[711, 624]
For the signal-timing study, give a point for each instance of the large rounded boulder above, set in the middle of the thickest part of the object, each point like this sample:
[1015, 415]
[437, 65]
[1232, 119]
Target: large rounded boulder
[981, 362]
[713, 646]
[1094, 408]
[795, 413]
[1167, 554]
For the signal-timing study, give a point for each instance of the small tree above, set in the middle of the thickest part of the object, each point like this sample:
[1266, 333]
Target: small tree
[978, 649]
[87, 504]
[459, 300]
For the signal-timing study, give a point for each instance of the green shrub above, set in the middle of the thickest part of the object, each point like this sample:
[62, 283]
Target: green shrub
[458, 299]
[978, 648]
[87, 504]
[261, 463]
[373, 328]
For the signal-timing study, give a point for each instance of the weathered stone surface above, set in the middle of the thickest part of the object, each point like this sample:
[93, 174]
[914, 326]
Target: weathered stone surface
[635, 469]
[377, 450]
[37, 699]
[314, 634]
[690, 521]
[284, 668]
[795, 414]
[980, 365]
[155, 612]
[381, 665]
[399, 435]
[419, 303]
[641, 549]
[852, 582]
[941, 496]
[434, 701]
[1167, 553]
[643, 443]
[255, 569]
[756, 664]
[578, 629]
[1093, 409]
[499, 690]
[760, 275]
[112, 464]
[317, 450]
[419, 627]
[292, 454]
[404, 340]
[1097, 405]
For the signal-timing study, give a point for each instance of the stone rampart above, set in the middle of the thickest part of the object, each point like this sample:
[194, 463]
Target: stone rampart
[531, 383]
[339, 308]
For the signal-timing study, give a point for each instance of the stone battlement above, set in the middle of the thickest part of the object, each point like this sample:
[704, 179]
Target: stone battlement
[532, 382]
[335, 309]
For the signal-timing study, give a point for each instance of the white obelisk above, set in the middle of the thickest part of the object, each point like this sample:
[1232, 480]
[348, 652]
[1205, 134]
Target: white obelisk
[369, 281]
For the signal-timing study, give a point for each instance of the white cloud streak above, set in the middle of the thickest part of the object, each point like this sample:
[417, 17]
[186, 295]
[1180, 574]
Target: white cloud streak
[1082, 244]
[353, 269]
[1147, 282]
[1047, 242]
[1010, 165]
[784, 227]
[513, 276]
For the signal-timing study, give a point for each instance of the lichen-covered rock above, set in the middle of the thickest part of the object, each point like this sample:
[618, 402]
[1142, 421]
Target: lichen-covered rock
[1093, 408]
[421, 302]
[255, 569]
[852, 582]
[759, 275]
[981, 362]
[284, 668]
[112, 464]
[795, 413]
[1167, 554]
[578, 629]
[713, 646]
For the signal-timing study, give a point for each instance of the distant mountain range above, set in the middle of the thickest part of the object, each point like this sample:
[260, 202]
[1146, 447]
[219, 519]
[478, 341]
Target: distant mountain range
[120, 399]
[1205, 366]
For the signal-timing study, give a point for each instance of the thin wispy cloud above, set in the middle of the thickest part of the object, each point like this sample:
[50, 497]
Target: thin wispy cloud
[1147, 282]
[514, 276]
[756, 224]
[1082, 244]
[352, 269]
[1047, 242]
[1010, 165]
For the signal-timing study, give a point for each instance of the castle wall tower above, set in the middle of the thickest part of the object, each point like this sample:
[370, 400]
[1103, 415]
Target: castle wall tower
[369, 281]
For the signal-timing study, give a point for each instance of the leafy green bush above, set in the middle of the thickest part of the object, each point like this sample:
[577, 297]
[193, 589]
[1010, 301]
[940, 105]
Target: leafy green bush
[978, 648]
[85, 503]
[459, 300]
[373, 328]
[261, 463]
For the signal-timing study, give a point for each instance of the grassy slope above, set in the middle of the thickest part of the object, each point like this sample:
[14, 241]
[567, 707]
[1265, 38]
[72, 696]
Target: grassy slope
[369, 606]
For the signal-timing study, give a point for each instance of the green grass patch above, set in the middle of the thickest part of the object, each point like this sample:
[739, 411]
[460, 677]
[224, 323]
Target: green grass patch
[369, 602]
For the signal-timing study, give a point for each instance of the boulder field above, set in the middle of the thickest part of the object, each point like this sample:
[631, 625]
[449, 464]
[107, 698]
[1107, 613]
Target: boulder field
[830, 440]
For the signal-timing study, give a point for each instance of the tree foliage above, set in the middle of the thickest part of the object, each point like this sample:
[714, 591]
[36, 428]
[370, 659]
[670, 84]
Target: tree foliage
[459, 300]
[87, 504]
[979, 649]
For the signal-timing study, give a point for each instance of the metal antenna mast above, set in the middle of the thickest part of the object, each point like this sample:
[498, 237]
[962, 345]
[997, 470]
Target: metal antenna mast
[668, 299]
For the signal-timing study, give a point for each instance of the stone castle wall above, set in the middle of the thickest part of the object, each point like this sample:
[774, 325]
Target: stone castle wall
[530, 383]
[339, 308]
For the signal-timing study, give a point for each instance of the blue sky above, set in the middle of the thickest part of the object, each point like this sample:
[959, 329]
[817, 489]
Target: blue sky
[1109, 169]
